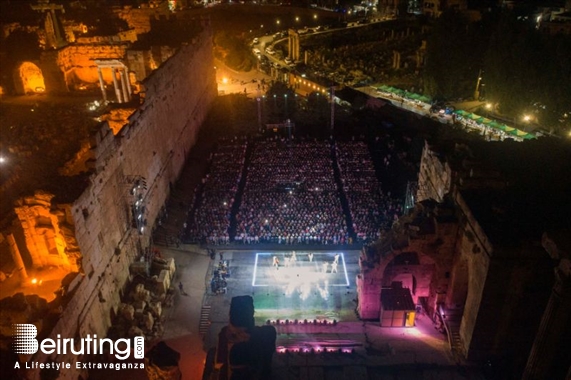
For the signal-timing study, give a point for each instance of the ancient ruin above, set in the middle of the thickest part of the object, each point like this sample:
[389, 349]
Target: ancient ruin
[76, 251]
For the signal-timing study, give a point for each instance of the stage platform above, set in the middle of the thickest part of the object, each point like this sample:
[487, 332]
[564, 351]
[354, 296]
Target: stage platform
[295, 289]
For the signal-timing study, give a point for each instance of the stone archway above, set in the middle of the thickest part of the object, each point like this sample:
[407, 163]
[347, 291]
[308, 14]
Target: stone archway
[416, 271]
[28, 79]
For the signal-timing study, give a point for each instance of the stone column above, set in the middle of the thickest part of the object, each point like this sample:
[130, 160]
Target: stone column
[17, 258]
[57, 32]
[102, 84]
[117, 90]
[128, 79]
[549, 339]
[126, 95]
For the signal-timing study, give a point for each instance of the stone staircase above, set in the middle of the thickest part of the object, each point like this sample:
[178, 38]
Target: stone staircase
[204, 323]
[452, 319]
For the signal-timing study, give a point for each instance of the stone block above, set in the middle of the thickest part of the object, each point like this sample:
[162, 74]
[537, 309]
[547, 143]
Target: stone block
[127, 311]
[163, 282]
[135, 331]
[139, 305]
[139, 267]
[156, 309]
[141, 294]
[147, 321]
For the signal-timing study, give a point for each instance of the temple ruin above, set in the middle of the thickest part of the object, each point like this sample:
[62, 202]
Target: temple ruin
[69, 248]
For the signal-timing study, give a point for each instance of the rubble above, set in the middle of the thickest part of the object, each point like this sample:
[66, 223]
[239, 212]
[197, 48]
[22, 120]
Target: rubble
[148, 294]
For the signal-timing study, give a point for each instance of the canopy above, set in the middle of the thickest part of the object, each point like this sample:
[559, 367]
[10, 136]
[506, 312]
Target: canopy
[462, 113]
[517, 132]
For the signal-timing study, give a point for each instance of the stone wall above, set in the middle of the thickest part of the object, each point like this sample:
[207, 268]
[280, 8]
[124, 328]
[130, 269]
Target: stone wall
[472, 268]
[435, 249]
[514, 297]
[151, 147]
[80, 59]
[435, 176]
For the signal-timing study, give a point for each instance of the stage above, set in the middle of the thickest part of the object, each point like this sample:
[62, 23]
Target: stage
[286, 285]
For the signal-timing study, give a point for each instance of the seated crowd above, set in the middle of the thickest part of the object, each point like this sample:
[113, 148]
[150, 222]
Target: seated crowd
[291, 196]
[361, 188]
[211, 218]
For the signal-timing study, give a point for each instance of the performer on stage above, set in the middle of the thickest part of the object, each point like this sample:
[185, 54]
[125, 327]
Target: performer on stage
[276, 263]
[310, 256]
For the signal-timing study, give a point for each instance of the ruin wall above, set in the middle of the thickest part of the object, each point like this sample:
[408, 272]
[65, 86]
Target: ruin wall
[152, 146]
[472, 266]
[80, 59]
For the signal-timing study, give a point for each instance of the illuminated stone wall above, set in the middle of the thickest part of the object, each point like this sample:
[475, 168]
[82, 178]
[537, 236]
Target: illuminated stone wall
[75, 64]
[435, 250]
[79, 61]
[151, 147]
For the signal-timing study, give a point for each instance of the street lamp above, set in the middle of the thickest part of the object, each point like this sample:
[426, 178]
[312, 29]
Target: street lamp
[488, 108]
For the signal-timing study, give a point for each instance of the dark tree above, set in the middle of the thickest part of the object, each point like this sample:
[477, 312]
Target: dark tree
[452, 64]
[529, 72]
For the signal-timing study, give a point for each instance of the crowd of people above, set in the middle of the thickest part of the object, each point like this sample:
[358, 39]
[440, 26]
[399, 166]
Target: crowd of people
[361, 188]
[211, 219]
[395, 170]
[291, 196]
